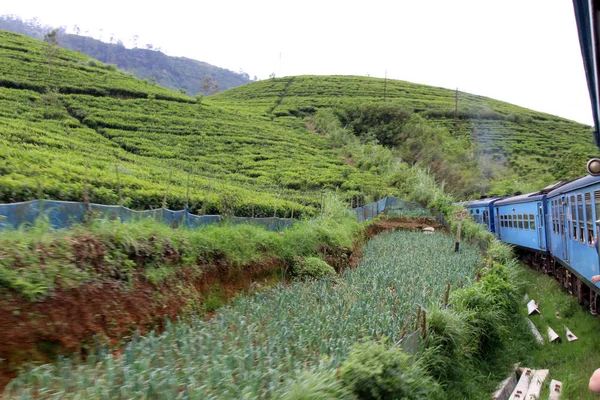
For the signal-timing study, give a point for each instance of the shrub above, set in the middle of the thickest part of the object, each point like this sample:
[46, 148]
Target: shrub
[378, 371]
[317, 385]
[492, 301]
[312, 268]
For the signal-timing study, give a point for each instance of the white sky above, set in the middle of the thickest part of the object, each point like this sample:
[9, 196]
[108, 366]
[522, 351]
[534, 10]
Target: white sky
[525, 52]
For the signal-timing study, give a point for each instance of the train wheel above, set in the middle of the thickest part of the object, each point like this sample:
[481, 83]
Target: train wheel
[578, 289]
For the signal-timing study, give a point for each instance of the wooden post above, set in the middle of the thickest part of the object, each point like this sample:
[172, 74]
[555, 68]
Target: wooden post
[118, 184]
[187, 191]
[424, 324]
[418, 318]
[164, 202]
[459, 215]
[86, 189]
[447, 295]
[40, 194]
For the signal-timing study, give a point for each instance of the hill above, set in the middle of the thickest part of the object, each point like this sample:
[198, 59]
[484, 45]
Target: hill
[77, 129]
[171, 72]
[478, 146]
[82, 129]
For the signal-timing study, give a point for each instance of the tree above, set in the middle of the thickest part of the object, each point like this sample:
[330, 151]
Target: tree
[209, 85]
[51, 47]
[182, 91]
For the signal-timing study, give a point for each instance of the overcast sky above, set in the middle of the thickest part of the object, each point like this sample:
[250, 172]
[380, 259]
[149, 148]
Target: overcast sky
[522, 51]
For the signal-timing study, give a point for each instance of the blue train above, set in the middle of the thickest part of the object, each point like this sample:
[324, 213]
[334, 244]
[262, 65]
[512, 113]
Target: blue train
[559, 226]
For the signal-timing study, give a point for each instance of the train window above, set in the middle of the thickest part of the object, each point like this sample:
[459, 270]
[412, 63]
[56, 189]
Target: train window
[589, 218]
[532, 222]
[597, 204]
[477, 211]
[561, 218]
[580, 218]
[502, 220]
[510, 220]
[525, 222]
[541, 214]
[554, 217]
[471, 211]
[573, 218]
[520, 220]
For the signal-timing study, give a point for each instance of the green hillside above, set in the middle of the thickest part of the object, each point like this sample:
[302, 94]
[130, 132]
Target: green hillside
[511, 148]
[70, 123]
[72, 128]
[171, 72]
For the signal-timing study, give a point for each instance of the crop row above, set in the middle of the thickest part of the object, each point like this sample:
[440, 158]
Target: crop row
[251, 349]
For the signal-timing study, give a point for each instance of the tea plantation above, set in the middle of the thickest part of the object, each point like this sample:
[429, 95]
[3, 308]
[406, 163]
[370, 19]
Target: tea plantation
[72, 128]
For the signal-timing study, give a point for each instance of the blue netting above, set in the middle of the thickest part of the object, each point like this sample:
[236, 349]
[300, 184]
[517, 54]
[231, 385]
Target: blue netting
[62, 214]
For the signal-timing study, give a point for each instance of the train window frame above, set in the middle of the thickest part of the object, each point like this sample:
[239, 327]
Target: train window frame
[502, 221]
[561, 217]
[531, 222]
[554, 217]
[520, 221]
[589, 217]
[525, 222]
[572, 218]
[510, 221]
[596, 205]
[580, 217]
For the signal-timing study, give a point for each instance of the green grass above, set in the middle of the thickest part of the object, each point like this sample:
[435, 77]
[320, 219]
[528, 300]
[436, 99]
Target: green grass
[569, 362]
[35, 262]
[515, 148]
[252, 348]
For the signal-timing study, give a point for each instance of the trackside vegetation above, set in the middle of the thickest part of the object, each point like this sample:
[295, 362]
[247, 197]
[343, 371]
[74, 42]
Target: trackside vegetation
[35, 261]
[251, 348]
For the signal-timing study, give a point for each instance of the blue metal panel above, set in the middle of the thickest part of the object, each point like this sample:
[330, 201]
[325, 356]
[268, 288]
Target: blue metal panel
[572, 238]
[482, 211]
[519, 224]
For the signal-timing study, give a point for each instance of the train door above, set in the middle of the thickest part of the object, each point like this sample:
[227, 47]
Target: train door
[497, 223]
[540, 226]
[563, 227]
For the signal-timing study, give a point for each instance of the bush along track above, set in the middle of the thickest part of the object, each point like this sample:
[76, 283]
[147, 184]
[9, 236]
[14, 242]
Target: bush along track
[311, 339]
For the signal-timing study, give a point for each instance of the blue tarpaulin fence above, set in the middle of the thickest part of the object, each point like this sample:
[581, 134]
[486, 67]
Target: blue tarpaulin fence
[63, 214]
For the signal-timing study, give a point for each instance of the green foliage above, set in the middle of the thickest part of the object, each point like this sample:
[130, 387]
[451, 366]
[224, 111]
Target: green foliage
[316, 385]
[311, 268]
[266, 340]
[492, 147]
[34, 262]
[379, 371]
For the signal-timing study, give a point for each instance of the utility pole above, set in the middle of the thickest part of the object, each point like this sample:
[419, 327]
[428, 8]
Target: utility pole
[456, 110]
[385, 85]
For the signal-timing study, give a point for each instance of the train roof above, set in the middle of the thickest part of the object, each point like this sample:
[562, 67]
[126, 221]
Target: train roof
[574, 185]
[482, 203]
[531, 197]
[586, 12]
[522, 198]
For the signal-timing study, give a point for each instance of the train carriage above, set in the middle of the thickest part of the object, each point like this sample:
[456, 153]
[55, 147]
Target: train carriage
[520, 221]
[482, 211]
[573, 210]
